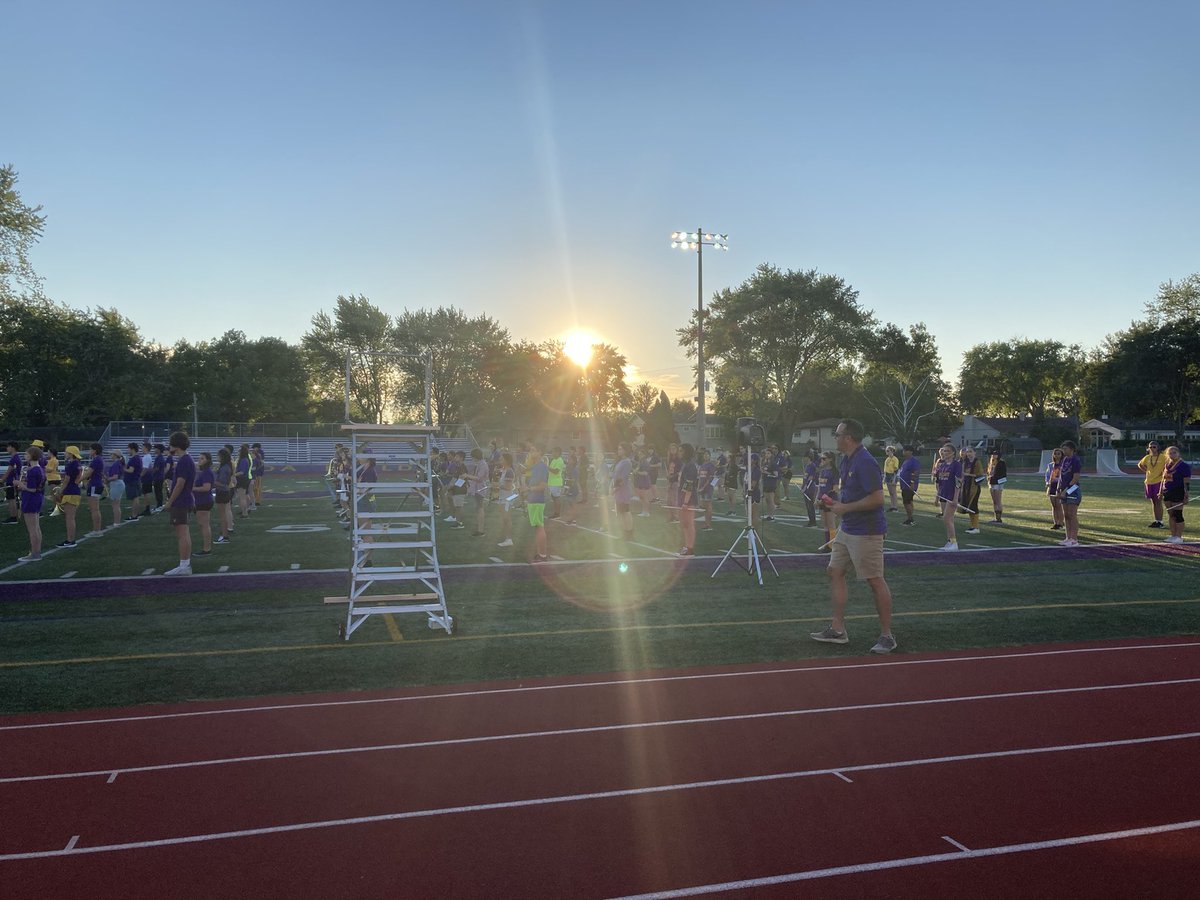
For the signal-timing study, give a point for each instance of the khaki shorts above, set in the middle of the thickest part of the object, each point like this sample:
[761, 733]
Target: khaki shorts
[69, 499]
[864, 550]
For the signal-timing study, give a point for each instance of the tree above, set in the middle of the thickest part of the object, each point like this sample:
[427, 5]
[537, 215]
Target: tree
[659, 429]
[774, 330]
[1176, 302]
[362, 329]
[459, 346]
[682, 408]
[1007, 378]
[642, 398]
[1150, 371]
[902, 383]
[20, 228]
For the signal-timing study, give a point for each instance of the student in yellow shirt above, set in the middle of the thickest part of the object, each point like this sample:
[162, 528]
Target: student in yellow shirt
[891, 465]
[1153, 464]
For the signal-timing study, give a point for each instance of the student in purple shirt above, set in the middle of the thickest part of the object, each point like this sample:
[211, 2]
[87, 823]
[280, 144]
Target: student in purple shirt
[947, 477]
[1070, 494]
[31, 482]
[622, 489]
[133, 482]
[202, 492]
[72, 492]
[687, 492]
[1176, 491]
[158, 474]
[242, 480]
[909, 478]
[114, 477]
[707, 473]
[95, 488]
[182, 501]
[11, 493]
[859, 539]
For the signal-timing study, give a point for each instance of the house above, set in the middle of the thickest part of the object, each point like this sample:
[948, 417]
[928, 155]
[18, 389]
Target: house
[1100, 433]
[717, 432]
[1009, 433]
[817, 434]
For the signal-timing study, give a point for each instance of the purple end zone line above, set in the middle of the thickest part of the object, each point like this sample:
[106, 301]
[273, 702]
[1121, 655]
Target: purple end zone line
[125, 586]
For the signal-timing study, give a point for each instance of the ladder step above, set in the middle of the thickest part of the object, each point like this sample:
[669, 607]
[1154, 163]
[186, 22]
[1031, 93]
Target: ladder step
[411, 608]
[374, 574]
[394, 545]
[393, 487]
[383, 598]
[407, 514]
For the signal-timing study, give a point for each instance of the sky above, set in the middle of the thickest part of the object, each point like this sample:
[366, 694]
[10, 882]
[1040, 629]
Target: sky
[1027, 169]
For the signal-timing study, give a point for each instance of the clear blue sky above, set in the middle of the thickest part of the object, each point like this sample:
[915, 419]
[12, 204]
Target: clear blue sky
[995, 170]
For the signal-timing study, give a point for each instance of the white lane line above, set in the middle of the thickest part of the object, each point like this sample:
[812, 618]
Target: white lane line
[953, 842]
[111, 778]
[616, 555]
[599, 729]
[495, 559]
[295, 566]
[607, 795]
[909, 544]
[621, 682]
[613, 538]
[908, 862]
[844, 778]
[69, 574]
[147, 571]
[72, 842]
[558, 558]
[223, 569]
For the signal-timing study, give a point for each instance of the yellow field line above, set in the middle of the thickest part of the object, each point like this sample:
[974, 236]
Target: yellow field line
[393, 629]
[572, 632]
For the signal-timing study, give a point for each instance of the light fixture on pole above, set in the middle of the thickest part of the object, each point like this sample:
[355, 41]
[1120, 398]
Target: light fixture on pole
[697, 240]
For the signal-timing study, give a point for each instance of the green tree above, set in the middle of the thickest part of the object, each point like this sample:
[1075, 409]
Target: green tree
[902, 384]
[777, 328]
[236, 379]
[682, 408]
[1176, 301]
[359, 328]
[642, 398]
[20, 228]
[1007, 378]
[659, 429]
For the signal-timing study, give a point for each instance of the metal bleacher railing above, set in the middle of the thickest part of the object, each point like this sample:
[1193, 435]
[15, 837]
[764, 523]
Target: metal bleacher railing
[283, 443]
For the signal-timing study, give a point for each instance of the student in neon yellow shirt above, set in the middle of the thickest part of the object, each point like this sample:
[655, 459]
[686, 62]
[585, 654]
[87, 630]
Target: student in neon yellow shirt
[891, 465]
[1153, 464]
[557, 466]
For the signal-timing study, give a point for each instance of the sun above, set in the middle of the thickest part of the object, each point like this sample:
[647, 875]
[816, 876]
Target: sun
[577, 345]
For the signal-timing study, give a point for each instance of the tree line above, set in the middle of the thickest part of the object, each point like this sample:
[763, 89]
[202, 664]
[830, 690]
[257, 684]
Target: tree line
[784, 346]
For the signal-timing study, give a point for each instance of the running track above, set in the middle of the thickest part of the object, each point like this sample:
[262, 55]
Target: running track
[1054, 770]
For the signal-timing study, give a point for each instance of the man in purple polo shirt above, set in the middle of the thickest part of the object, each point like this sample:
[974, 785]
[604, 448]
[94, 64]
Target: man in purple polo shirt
[859, 538]
[182, 501]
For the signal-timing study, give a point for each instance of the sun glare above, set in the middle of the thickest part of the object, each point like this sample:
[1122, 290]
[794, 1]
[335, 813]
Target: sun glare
[577, 345]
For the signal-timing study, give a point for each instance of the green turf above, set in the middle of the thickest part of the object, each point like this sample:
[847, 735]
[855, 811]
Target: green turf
[71, 654]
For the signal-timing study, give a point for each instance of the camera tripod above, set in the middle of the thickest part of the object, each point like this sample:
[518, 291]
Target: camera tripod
[756, 550]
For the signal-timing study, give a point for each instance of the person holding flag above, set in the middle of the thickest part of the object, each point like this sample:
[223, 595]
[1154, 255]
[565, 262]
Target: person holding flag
[909, 479]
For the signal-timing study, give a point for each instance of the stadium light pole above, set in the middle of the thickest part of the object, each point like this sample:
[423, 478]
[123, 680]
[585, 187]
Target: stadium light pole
[697, 240]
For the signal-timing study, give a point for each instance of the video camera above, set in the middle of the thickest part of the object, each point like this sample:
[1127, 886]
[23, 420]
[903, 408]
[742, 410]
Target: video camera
[750, 433]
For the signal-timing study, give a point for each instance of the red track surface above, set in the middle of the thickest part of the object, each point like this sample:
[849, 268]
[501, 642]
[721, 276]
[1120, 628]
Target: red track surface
[864, 777]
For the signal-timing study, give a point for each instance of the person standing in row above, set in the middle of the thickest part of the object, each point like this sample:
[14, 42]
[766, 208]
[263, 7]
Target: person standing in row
[674, 463]
[891, 465]
[11, 475]
[114, 477]
[535, 501]
[223, 484]
[95, 488]
[708, 481]
[859, 539]
[1052, 469]
[1153, 464]
[997, 475]
[909, 478]
[132, 476]
[182, 501]
[202, 493]
[480, 477]
[622, 490]
[973, 480]
[242, 481]
[808, 487]
[947, 479]
[827, 484]
[54, 478]
[1070, 493]
[258, 469]
[1176, 492]
[72, 491]
[688, 495]
[508, 488]
[556, 466]
[31, 484]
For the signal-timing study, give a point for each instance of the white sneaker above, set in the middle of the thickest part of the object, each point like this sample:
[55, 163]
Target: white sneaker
[951, 545]
[451, 519]
[1069, 543]
[1173, 539]
[973, 531]
[94, 534]
[57, 511]
[507, 542]
[644, 515]
[179, 570]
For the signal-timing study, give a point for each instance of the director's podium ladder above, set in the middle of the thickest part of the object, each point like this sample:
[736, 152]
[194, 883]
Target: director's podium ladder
[393, 520]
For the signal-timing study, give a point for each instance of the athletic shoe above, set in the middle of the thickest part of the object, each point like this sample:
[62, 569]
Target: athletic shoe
[707, 528]
[973, 531]
[812, 525]
[131, 518]
[885, 644]
[541, 559]
[1069, 543]
[94, 534]
[997, 521]
[476, 534]
[451, 520]
[768, 518]
[10, 521]
[893, 509]
[644, 515]
[68, 544]
[222, 540]
[55, 512]
[908, 522]
[1057, 527]
[687, 552]
[830, 636]
[1173, 539]
[457, 525]
[1155, 524]
[32, 557]
[507, 542]
[201, 553]
[951, 545]
[179, 570]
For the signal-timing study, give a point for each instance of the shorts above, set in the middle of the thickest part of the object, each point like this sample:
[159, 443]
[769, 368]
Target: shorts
[865, 551]
[460, 501]
[996, 488]
[243, 483]
[179, 515]
[907, 494]
[116, 490]
[133, 489]
[31, 503]
[94, 491]
[537, 514]
[224, 496]
[1073, 499]
[622, 507]
[1153, 490]
[69, 500]
[205, 503]
[889, 479]
[555, 490]
[10, 492]
[1173, 498]
[480, 502]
